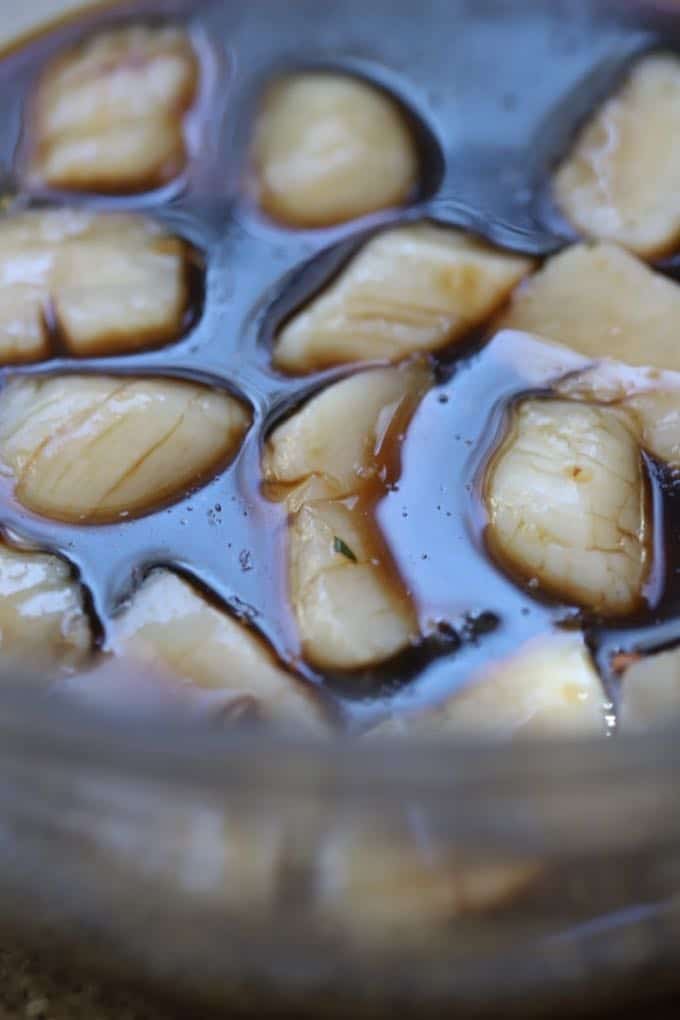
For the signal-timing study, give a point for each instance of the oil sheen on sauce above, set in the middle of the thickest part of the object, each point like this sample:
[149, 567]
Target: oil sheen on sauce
[426, 512]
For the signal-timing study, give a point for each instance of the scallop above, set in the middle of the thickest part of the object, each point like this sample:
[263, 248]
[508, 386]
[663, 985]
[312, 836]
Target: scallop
[619, 182]
[414, 288]
[650, 399]
[650, 692]
[380, 885]
[190, 653]
[330, 462]
[658, 417]
[602, 302]
[330, 147]
[99, 284]
[350, 611]
[93, 449]
[345, 432]
[43, 621]
[108, 115]
[566, 497]
[549, 688]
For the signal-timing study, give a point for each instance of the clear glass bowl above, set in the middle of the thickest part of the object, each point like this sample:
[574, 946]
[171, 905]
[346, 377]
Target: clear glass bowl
[257, 870]
[252, 871]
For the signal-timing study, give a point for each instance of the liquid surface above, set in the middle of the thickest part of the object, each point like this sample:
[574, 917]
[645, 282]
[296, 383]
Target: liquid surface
[229, 535]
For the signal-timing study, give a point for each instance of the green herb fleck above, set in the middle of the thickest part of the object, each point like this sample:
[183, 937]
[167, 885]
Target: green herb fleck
[344, 550]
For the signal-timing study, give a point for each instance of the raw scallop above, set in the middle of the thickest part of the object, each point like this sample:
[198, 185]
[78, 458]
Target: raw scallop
[381, 885]
[620, 181]
[330, 461]
[602, 302]
[566, 501]
[108, 115]
[42, 618]
[91, 449]
[549, 688]
[217, 660]
[331, 147]
[100, 284]
[413, 288]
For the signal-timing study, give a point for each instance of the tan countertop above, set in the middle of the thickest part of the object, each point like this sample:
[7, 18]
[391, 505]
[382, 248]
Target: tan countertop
[30, 990]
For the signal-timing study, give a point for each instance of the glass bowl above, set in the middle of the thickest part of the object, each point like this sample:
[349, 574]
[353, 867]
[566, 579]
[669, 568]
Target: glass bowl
[256, 871]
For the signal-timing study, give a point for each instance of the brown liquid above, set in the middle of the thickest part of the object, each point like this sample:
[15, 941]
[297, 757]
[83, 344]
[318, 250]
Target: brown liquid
[225, 534]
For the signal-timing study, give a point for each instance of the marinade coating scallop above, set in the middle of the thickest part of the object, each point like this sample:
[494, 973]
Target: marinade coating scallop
[108, 115]
[350, 612]
[106, 283]
[549, 688]
[42, 617]
[620, 181]
[602, 302]
[650, 692]
[95, 448]
[413, 288]
[566, 503]
[170, 627]
[331, 147]
[330, 462]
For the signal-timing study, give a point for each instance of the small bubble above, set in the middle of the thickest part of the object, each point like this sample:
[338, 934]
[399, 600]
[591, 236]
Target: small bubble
[443, 398]
[218, 507]
[246, 561]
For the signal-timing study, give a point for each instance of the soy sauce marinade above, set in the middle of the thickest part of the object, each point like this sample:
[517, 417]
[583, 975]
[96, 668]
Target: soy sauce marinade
[422, 513]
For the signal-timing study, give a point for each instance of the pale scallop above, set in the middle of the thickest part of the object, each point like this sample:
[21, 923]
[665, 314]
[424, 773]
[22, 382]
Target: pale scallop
[650, 399]
[331, 461]
[331, 147]
[105, 283]
[413, 288]
[108, 115]
[42, 617]
[658, 417]
[549, 688]
[350, 612]
[602, 302]
[620, 181]
[650, 692]
[218, 662]
[566, 501]
[341, 433]
[380, 885]
[95, 448]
